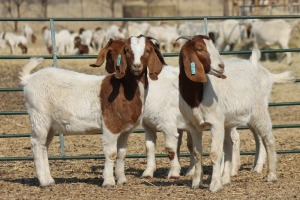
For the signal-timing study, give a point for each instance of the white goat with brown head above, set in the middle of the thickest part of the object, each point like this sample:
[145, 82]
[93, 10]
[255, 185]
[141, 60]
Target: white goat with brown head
[210, 102]
[76, 103]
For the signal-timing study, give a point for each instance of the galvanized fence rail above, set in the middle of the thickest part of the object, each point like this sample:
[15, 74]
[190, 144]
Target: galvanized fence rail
[55, 58]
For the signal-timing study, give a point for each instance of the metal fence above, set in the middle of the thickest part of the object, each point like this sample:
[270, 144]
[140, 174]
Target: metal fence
[55, 58]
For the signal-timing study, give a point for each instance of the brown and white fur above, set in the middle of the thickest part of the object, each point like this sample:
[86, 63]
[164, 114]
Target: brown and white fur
[77, 103]
[209, 102]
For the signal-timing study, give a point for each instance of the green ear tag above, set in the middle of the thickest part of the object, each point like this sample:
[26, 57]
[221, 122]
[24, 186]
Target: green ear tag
[119, 60]
[193, 68]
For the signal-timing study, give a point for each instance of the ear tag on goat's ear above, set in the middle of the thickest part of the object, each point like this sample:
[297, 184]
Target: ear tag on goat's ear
[193, 68]
[119, 60]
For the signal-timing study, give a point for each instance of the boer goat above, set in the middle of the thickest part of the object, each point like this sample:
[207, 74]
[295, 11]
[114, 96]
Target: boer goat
[76, 103]
[209, 102]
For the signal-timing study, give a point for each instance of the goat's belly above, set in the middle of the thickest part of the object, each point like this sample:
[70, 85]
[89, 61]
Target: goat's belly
[78, 126]
[237, 120]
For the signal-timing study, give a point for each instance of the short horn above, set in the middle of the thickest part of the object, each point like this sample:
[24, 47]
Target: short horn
[185, 37]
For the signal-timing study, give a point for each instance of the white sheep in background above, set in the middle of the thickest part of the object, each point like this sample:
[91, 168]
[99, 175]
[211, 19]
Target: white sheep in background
[134, 28]
[266, 34]
[98, 39]
[28, 33]
[165, 34]
[76, 103]
[115, 32]
[198, 28]
[15, 41]
[64, 41]
[231, 32]
[209, 102]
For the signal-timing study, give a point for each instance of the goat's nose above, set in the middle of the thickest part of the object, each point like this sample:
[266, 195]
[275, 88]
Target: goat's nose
[136, 66]
[221, 66]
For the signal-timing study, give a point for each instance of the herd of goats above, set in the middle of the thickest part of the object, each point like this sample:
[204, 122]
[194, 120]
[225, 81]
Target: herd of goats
[203, 92]
[226, 35]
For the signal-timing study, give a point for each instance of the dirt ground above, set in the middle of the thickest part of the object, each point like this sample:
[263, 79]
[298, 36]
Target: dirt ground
[82, 179]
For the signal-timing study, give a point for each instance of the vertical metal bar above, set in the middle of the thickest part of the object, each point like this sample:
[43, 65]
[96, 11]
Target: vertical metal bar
[205, 26]
[55, 64]
[52, 29]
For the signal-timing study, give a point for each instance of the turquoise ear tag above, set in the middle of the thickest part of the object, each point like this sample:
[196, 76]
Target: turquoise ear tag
[119, 60]
[193, 68]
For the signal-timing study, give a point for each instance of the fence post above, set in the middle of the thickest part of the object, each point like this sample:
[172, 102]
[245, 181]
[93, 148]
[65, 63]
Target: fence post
[205, 26]
[55, 64]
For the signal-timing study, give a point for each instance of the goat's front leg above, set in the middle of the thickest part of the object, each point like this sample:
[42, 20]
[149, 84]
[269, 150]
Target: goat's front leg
[110, 151]
[216, 154]
[191, 169]
[228, 144]
[150, 147]
[197, 152]
[120, 164]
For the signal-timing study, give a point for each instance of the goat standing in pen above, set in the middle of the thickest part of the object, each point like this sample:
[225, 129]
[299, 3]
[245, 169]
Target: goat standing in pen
[210, 102]
[161, 113]
[77, 103]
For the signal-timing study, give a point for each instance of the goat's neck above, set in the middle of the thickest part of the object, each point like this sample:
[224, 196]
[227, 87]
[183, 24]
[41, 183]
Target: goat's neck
[190, 91]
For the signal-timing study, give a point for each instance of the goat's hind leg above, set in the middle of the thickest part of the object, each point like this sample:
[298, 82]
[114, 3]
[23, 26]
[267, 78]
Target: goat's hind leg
[263, 126]
[172, 151]
[150, 147]
[40, 141]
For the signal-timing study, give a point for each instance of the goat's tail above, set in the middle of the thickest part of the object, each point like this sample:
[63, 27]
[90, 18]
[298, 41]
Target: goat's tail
[24, 75]
[283, 77]
[255, 56]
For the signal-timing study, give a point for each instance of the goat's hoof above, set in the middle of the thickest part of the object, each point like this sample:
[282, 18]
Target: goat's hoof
[226, 180]
[215, 185]
[195, 185]
[190, 172]
[272, 177]
[174, 175]
[109, 183]
[147, 175]
[122, 181]
[258, 169]
[48, 183]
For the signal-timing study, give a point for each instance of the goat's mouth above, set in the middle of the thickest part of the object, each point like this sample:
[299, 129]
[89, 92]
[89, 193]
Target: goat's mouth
[217, 73]
[136, 72]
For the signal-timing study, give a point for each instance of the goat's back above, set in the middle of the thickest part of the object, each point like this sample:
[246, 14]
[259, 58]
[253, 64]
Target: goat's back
[70, 100]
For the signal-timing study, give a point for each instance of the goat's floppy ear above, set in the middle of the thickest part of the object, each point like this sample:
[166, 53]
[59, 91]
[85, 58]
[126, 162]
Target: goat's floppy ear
[155, 63]
[120, 65]
[102, 55]
[193, 67]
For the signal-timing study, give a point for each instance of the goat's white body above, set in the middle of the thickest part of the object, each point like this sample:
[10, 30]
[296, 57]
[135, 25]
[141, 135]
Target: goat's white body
[239, 99]
[134, 29]
[99, 39]
[64, 41]
[273, 32]
[68, 102]
[165, 34]
[68, 99]
[230, 32]
[13, 40]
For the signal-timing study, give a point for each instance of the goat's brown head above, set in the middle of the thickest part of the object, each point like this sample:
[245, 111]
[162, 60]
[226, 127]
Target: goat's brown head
[198, 56]
[135, 55]
[109, 53]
